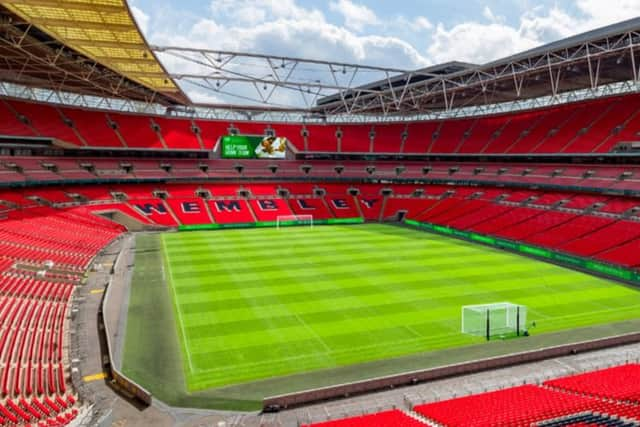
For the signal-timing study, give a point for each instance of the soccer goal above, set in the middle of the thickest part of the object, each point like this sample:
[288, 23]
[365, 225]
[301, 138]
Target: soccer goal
[289, 220]
[496, 319]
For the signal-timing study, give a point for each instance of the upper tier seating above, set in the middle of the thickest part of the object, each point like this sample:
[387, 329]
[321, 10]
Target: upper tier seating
[136, 131]
[355, 139]
[211, 131]
[321, 138]
[583, 127]
[47, 121]
[450, 136]
[178, 133]
[10, 125]
[93, 127]
[388, 138]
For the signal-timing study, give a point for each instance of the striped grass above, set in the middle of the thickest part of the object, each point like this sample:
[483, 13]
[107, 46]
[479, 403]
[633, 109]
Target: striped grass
[261, 303]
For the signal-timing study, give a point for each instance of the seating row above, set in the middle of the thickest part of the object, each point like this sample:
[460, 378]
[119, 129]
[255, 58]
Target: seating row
[581, 127]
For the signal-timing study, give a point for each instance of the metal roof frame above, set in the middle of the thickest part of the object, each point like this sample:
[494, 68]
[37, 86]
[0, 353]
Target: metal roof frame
[100, 36]
[241, 113]
[600, 57]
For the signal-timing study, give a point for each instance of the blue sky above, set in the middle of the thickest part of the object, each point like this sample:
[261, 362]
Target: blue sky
[407, 34]
[419, 31]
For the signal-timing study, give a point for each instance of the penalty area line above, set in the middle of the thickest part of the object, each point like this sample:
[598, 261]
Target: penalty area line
[314, 333]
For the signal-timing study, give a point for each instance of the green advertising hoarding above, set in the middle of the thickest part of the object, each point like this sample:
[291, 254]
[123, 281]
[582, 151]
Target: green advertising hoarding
[259, 224]
[253, 147]
[566, 259]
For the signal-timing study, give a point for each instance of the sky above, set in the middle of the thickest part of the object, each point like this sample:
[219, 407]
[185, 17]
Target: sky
[406, 34]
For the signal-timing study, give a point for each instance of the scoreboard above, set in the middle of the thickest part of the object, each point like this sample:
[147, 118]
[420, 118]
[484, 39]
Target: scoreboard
[253, 147]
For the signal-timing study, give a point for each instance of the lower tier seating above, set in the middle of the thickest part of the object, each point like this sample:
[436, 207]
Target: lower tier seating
[573, 223]
[608, 397]
[43, 252]
[521, 406]
[619, 383]
[393, 418]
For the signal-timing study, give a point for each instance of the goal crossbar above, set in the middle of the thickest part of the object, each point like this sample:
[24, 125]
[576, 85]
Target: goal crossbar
[502, 318]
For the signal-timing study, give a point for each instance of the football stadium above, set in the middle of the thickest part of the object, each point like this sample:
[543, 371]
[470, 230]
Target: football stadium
[322, 243]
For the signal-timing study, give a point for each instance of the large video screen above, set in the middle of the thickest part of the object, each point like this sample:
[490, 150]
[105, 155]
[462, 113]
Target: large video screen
[253, 147]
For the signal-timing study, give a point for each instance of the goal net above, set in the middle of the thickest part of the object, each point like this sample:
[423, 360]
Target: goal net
[496, 319]
[289, 220]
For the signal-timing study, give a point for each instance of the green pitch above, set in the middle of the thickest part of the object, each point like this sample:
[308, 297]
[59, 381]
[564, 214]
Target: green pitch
[261, 303]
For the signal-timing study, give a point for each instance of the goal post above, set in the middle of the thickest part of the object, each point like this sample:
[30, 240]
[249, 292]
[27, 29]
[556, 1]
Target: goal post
[495, 319]
[290, 220]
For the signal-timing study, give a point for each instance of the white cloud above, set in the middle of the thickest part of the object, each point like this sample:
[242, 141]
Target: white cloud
[422, 23]
[491, 17]
[292, 31]
[141, 18]
[600, 13]
[479, 42]
[356, 16]
[464, 43]
[287, 28]
[254, 12]
[200, 97]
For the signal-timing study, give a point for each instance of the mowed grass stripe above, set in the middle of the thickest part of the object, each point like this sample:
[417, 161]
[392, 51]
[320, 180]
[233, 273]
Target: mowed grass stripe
[367, 323]
[439, 282]
[266, 302]
[253, 239]
[336, 266]
[311, 295]
[333, 322]
[209, 286]
[314, 314]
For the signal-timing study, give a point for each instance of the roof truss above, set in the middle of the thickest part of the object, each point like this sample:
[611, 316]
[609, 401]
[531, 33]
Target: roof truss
[265, 81]
[588, 64]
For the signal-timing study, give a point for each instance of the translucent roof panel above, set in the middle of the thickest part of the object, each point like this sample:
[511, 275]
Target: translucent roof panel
[103, 30]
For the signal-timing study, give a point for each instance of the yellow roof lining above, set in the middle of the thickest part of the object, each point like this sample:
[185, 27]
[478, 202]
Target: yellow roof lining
[102, 30]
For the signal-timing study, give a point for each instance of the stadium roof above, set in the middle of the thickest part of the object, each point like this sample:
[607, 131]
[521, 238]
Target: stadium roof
[86, 45]
[586, 61]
